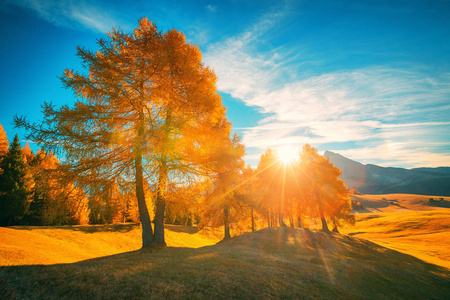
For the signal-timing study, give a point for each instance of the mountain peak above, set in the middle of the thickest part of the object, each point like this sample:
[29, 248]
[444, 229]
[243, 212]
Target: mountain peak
[373, 179]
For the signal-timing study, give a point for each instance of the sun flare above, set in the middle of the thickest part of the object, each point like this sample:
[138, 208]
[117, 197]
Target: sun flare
[288, 153]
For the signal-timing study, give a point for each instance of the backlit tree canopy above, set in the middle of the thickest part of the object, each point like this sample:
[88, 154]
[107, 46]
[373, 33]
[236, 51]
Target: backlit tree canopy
[147, 109]
[3, 142]
[327, 194]
[308, 188]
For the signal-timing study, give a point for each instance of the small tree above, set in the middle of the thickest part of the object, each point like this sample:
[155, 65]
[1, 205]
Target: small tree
[55, 201]
[14, 193]
[270, 187]
[223, 202]
[3, 142]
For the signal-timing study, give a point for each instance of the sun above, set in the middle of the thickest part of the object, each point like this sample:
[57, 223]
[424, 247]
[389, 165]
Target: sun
[287, 153]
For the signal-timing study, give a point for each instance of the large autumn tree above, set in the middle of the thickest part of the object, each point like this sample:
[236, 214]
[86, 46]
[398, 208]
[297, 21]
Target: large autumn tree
[145, 109]
[327, 194]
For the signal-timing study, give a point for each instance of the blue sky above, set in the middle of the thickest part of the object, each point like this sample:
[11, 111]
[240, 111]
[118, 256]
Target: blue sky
[367, 79]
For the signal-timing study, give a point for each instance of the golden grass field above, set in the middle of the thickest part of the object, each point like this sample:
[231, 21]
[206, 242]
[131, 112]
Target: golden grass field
[27, 245]
[405, 223]
[400, 252]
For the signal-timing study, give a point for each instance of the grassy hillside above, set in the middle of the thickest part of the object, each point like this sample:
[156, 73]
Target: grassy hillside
[23, 245]
[400, 202]
[424, 234]
[400, 251]
[271, 263]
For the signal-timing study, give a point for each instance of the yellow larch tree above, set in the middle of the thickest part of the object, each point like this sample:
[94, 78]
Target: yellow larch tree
[270, 187]
[327, 195]
[145, 110]
[223, 202]
[4, 144]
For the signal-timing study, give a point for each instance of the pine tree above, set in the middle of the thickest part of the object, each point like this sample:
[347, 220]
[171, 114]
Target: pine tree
[13, 188]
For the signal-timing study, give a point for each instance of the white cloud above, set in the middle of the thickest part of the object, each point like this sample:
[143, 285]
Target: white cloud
[72, 13]
[366, 106]
[211, 8]
[393, 154]
[242, 71]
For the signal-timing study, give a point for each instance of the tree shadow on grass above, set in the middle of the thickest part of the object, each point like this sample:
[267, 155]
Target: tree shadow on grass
[123, 227]
[182, 228]
[271, 263]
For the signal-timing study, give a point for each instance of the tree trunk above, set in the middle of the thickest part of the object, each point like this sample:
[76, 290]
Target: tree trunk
[282, 224]
[335, 229]
[253, 220]
[160, 205]
[291, 218]
[322, 218]
[299, 222]
[226, 223]
[162, 183]
[147, 232]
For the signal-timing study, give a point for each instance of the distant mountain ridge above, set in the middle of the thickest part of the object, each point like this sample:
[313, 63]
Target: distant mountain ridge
[373, 179]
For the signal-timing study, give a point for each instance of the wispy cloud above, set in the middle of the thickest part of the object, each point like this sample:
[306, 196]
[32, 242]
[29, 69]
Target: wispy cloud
[392, 154]
[211, 8]
[245, 72]
[73, 13]
[369, 106]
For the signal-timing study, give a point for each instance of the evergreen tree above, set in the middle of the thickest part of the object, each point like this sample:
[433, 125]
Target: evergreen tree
[13, 188]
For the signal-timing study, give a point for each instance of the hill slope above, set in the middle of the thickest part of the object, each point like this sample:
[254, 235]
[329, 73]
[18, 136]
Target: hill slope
[270, 263]
[399, 202]
[423, 234]
[372, 179]
[20, 245]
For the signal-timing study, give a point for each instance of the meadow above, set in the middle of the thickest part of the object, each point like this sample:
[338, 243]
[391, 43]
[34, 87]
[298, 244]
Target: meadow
[398, 250]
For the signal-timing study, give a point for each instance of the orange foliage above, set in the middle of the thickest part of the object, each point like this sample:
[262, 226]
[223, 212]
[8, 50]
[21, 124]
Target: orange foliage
[58, 202]
[4, 144]
[327, 193]
[148, 112]
[222, 205]
[309, 188]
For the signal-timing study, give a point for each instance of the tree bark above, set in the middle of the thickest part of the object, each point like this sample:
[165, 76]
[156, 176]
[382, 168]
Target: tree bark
[147, 232]
[335, 229]
[282, 224]
[160, 205]
[226, 222]
[322, 218]
[299, 222]
[253, 220]
[291, 218]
